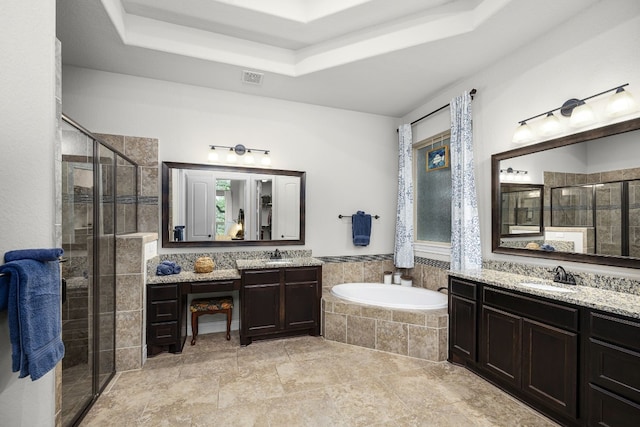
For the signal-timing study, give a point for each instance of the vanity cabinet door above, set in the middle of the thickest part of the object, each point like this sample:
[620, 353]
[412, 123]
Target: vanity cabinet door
[261, 303]
[462, 342]
[549, 368]
[500, 341]
[302, 299]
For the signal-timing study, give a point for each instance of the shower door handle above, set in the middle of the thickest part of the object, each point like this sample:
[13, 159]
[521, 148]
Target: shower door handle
[64, 290]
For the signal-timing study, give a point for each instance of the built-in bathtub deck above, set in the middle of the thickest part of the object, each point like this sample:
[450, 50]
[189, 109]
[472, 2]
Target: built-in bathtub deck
[415, 333]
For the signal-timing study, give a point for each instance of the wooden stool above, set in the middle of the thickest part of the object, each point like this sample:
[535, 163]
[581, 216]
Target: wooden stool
[213, 305]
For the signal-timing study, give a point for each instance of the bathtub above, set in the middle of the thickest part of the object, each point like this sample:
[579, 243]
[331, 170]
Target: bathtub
[391, 296]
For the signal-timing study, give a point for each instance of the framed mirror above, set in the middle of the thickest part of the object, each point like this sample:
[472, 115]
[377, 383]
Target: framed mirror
[590, 186]
[212, 205]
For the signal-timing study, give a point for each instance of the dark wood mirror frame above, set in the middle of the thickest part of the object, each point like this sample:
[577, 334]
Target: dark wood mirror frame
[609, 130]
[168, 243]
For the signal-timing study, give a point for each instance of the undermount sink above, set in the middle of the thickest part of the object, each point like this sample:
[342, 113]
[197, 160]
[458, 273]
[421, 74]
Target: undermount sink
[544, 287]
[278, 261]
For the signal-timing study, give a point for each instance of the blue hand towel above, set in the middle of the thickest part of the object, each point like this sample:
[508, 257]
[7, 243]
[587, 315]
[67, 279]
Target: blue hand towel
[35, 322]
[361, 228]
[167, 267]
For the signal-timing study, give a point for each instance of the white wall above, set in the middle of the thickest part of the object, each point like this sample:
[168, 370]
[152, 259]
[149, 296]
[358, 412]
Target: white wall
[27, 112]
[595, 51]
[350, 158]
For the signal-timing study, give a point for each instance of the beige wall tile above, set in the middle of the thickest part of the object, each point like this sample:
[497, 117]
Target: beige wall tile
[128, 359]
[346, 308]
[129, 292]
[332, 274]
[128, 329]
[414, 318]
[353, 272]
[335, 327]
[424, 343]
[372, 271]
[376, 312]
[361, 331]
[392, 337]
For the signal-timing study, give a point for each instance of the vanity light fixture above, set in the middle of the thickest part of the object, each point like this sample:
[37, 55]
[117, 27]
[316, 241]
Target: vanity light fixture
[236, 151]
[579, 112]
[514, 175]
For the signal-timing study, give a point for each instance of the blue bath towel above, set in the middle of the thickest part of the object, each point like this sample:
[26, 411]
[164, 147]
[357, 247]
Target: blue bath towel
[35, 321]
[166, 268]
[361, 228]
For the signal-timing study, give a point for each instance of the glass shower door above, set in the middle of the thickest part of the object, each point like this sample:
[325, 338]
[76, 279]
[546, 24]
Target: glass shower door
[77, 228]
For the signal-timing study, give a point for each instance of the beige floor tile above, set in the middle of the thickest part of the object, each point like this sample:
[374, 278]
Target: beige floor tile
[367, 403]
[302, 381]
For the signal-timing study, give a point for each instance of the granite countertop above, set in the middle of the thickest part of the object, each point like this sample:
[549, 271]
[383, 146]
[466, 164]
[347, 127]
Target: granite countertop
[192, 276]
[610, 301]
[248, 264]
[232, 273]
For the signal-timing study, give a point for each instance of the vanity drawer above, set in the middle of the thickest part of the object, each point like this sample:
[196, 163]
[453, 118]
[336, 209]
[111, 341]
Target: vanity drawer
[625, 333]
[536, 309]
[201, 288]
[463, 289]
[615, 368]
[261, 277]
[162, 333]
[292, 275]
[607, 409]
[162, 292]
[163, 311]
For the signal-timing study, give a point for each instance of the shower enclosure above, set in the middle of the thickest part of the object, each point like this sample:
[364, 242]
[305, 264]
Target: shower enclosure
[99, 188]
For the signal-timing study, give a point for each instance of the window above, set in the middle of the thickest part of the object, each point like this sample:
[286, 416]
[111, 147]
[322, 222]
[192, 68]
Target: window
[432, 190]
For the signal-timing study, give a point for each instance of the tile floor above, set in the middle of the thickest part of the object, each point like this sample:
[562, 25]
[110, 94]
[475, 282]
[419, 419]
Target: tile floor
[301, 381]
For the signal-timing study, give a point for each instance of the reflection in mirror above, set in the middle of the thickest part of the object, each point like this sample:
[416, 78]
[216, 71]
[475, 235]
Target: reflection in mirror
[521, 209]
[209, 205]
[590, 192]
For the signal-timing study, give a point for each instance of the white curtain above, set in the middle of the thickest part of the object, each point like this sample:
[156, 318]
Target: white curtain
[403, 252]
[465, 225]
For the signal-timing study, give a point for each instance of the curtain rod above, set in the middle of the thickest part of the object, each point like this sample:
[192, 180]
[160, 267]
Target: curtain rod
[471, 92]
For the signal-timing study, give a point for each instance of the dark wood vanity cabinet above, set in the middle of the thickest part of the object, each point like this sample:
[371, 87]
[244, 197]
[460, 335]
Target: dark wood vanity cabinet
[167, 312]
[166, 329]
[462, 315]
[613, 370]
[280, 302]
[526, 345]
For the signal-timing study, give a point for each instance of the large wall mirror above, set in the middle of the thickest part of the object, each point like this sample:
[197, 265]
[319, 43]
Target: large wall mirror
[211, 205]
[589, 185]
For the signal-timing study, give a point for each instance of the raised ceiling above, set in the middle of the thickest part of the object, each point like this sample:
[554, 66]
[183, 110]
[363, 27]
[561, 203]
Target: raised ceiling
[377, 56]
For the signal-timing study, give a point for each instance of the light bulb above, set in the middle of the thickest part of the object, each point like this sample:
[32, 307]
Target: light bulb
[213, 155]
[523, 134]
[582, 115]
[266, 160]
[231, 157]
[620, 103]
[249, 159]
[550, 125]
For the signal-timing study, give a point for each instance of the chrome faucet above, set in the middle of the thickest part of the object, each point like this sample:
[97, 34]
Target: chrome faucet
[276, 255]
[560, 275]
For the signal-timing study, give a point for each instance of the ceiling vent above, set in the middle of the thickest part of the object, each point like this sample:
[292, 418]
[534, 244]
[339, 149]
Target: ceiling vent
[252, 77]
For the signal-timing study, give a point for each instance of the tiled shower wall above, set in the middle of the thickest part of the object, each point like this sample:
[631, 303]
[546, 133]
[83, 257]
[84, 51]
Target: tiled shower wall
[144, 152]
[607, 223]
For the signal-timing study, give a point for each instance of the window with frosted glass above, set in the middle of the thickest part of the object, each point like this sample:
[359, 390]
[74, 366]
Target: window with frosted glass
[432, 190]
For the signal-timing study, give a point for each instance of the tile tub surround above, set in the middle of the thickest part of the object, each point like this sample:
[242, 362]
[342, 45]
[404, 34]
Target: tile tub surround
[416, 333]
[612, 301]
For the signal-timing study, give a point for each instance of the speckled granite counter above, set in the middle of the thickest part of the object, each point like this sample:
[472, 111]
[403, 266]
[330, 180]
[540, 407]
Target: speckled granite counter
[248, 264]
[610, 301]
[191, 276]
[232, 273]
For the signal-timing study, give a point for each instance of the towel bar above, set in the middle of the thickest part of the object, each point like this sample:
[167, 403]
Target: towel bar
[340, 216]
[61, 260]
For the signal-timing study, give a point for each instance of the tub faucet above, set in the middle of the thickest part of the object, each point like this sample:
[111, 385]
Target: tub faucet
[560, 275]
[276, 255]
